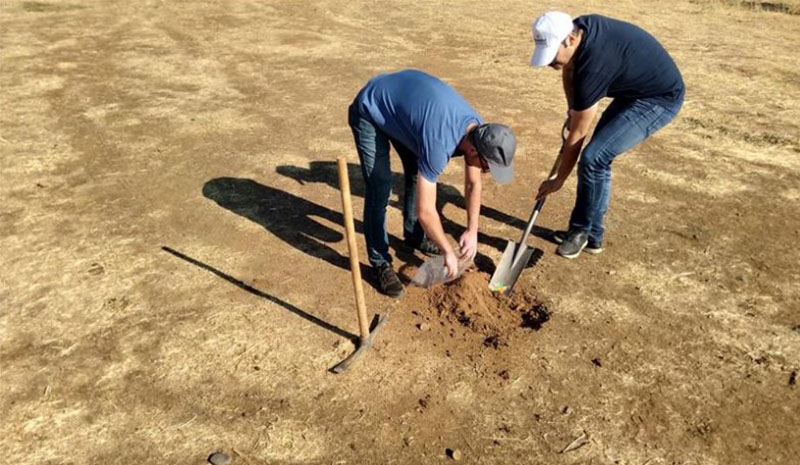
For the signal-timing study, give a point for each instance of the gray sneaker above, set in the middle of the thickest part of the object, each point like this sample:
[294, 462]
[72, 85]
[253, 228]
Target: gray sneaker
[572, 244]
[593, 247]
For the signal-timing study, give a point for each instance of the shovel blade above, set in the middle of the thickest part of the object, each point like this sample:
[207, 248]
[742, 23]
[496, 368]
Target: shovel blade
[508, 269]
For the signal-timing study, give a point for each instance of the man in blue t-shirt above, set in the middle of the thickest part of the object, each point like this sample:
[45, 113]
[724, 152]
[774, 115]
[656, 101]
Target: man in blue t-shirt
[603, 57]
[428, 123]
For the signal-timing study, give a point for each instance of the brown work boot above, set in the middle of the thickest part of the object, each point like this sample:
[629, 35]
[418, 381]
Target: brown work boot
[388, 282]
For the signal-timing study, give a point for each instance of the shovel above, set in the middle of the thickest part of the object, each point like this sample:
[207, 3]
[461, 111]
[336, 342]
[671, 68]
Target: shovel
[517, 255]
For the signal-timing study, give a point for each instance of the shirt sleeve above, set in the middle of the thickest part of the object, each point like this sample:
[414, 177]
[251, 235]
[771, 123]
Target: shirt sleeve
[432, 162]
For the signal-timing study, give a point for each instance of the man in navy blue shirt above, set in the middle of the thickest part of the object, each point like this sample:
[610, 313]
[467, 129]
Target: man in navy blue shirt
[603, 57]
[428, 123]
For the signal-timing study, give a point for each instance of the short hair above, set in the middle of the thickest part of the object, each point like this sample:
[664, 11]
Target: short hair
[575, 30]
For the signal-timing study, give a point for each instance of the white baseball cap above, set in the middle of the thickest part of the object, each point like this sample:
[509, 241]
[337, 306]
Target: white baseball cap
[549, 30]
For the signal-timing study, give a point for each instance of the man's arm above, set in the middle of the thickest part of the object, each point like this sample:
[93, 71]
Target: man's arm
[472, 195]
[579, 124]
[429, 219]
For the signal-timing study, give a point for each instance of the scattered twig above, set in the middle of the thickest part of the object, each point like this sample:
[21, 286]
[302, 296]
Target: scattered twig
[387, 375]
[683, 275]
[497, 438]
[243, 456]
[240, 356]
[182, 425]
[244, 315]
[577, 443]
[68, 350]
[257, 443]
[464, 438]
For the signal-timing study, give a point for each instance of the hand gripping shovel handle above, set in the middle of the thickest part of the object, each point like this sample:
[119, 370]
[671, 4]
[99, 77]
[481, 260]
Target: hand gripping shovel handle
[540, 202]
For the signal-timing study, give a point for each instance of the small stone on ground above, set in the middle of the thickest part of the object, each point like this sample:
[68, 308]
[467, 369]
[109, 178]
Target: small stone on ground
[219, 458]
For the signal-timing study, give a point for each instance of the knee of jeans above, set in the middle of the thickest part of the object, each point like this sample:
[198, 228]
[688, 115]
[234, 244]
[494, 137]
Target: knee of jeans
[380, 179]
[593, 161]
[379, 191]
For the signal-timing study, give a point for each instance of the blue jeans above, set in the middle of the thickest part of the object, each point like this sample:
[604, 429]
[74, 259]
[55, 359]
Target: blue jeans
[373, 152]
[623, 125]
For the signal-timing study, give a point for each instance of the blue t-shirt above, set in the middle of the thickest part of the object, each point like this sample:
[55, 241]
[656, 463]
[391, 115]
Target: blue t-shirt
[421, 112]
[618, 59]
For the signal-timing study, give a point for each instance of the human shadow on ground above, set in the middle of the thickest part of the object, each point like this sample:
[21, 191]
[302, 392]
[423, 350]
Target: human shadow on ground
[291, 219]
[326, 172]
[305, 315]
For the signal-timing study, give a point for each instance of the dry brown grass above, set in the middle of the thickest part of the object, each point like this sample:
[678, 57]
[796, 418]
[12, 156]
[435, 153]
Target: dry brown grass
[677, 346]
[791, 7]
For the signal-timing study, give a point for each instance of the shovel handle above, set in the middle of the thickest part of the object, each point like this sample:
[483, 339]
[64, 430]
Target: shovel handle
[553, 171]
[350, 230]
[557, 163]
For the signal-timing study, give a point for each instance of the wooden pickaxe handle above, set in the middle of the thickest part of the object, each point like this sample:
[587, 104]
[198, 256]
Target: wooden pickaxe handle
[350, 230]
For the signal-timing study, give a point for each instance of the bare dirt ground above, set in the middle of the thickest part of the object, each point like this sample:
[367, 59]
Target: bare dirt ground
[174, 279]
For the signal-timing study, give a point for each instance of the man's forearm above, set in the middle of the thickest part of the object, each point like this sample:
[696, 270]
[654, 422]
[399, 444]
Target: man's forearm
[568, 160]
[571, 152]
[430, 222]
[579, 125]
[472, 195]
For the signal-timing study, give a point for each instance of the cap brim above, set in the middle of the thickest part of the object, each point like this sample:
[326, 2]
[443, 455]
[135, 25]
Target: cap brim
[501, 174]
[543, 56]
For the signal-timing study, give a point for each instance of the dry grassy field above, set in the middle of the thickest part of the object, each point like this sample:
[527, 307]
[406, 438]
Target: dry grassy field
[174, 278]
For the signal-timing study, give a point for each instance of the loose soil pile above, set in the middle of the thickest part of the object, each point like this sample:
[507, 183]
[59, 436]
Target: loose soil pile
[468, 302]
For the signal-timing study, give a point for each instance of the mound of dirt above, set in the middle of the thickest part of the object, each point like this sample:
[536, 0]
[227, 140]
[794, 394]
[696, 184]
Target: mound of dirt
[469, 302]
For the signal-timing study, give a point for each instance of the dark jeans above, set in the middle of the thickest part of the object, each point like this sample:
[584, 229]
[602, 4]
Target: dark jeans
[623, 125]
[373, 151]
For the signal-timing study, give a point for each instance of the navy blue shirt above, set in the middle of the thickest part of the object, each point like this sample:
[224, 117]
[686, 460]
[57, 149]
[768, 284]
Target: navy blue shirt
[618, 59]
[421, 112]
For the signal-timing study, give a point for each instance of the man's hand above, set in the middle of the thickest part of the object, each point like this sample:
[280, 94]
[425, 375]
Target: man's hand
[451, 261]
[469, 244]
[548, 187]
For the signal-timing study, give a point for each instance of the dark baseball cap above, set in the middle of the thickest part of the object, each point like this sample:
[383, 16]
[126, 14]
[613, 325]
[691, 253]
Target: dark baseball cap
[496, 143]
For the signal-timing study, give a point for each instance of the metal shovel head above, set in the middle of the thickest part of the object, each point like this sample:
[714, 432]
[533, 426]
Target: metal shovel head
[508, 269]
